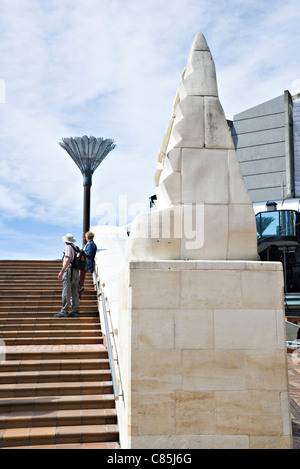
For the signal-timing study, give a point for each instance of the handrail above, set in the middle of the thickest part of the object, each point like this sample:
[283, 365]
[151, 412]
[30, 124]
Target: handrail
[112, 360]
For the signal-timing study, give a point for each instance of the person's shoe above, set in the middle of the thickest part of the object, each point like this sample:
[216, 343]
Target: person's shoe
[60, 315]
[73, 315]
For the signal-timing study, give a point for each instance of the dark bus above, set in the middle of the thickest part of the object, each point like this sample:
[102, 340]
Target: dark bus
[278, 239]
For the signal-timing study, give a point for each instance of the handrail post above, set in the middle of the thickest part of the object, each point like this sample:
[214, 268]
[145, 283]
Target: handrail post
[101, 298]
[115, 387]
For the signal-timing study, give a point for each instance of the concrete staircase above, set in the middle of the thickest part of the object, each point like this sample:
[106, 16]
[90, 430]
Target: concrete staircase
[55, 383]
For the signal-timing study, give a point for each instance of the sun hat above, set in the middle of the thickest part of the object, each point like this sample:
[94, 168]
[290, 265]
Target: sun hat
[69, 238]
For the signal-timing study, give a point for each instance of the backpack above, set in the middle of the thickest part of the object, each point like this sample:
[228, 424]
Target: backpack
[79, 261]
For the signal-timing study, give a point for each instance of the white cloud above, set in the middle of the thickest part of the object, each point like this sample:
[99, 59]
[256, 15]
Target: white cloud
[295, 86]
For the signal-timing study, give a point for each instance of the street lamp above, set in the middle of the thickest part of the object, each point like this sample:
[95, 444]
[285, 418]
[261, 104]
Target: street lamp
[87, 153]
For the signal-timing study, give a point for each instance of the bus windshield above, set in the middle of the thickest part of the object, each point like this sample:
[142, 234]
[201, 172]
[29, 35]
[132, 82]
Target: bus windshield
[277, 223]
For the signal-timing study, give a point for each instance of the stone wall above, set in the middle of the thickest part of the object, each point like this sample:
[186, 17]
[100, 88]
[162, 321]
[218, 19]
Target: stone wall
[203, 351]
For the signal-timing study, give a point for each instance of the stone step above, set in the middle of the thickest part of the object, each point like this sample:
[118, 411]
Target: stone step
[6, 299]
[47, 273]
[28, 282]
[39, 290]
[57, 402]
[43, 314]
[55, 389]
[50, 376]
[31, 284]
[62, 434]
[14, 262]
[50, 321]
[89, 445]
[47, 308]
[55, 365]
[59, 325]
[58, 418]
[36, 272]
[17, 333]
[33, 271]
[42, 295]
[9, 341]
[31, 281]
[74, 354]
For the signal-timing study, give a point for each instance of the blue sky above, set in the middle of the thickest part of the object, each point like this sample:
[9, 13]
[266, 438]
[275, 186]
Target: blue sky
[112, 69]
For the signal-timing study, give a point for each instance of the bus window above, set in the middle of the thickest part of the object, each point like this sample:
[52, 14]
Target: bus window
[277, 223]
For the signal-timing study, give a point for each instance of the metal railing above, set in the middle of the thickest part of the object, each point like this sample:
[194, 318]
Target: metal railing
[111, 342]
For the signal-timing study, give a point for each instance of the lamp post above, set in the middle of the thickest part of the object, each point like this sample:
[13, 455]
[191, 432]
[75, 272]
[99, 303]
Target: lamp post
[87, 153]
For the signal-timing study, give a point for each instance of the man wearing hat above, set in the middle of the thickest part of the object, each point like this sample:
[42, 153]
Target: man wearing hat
[70, 279]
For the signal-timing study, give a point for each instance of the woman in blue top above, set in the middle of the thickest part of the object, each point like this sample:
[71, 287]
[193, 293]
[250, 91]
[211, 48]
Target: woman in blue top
[90, 250]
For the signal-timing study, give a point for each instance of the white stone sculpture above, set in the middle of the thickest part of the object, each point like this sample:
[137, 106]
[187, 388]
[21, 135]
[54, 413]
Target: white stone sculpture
[203, 207]
[201, 331]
